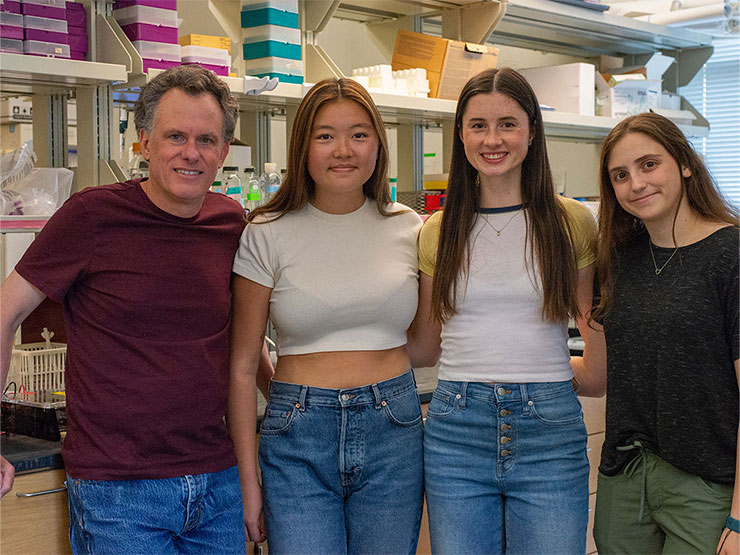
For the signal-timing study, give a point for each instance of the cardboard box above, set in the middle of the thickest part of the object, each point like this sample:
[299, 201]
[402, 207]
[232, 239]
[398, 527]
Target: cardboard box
[567, 87]
[627, 91]
[449, 63]
[206, 40]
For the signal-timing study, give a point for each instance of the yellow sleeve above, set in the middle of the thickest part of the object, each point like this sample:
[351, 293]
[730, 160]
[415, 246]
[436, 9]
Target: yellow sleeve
[583, 231]
[428, 240]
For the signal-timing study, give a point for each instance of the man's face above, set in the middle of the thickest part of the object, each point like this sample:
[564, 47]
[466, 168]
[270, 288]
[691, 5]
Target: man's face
[185, 149]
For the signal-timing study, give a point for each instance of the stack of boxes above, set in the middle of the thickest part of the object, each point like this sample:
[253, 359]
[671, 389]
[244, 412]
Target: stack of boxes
[151, 25]
[11, 27]
[272, 39]
[45, 28]
[76, 30]
[210, 52]
[53, 28]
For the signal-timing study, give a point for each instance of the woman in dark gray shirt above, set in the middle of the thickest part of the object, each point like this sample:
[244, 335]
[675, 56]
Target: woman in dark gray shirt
[668, 265]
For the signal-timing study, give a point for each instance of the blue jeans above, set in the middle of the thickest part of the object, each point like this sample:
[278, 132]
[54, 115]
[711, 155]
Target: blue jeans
[342, 468]
[190, 514]
[506, 469]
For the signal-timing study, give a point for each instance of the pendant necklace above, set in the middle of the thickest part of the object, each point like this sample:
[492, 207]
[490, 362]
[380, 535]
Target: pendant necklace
[486, 211]
[658, 270]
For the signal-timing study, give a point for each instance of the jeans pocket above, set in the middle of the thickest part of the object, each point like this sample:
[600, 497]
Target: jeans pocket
[277, 418]
[404, 410]
[442, 404]
[558, 410]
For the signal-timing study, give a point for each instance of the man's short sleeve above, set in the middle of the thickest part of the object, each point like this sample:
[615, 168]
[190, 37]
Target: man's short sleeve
[62, 252]
[255, 259]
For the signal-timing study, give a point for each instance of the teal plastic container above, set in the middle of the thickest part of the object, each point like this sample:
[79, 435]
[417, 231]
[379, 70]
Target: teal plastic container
[263, 49]
[268, 16]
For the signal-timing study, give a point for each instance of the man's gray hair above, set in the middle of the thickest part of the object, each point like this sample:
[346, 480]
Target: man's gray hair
[193, 80]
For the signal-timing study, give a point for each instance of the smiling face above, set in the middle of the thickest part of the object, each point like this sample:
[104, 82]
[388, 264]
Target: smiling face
[342, 155]
[495, 132]
[647, 181]
[185, 148]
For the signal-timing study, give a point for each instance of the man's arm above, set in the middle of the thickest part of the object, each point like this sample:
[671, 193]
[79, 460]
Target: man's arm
[18, 298]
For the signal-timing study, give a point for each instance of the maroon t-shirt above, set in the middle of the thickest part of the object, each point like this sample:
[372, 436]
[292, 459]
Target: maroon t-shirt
[146, 304]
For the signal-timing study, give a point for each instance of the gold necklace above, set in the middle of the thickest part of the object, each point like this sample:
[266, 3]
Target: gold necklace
[498, 231]
[658, 270]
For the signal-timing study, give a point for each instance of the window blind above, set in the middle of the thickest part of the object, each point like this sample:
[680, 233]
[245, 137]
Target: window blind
[715, 93]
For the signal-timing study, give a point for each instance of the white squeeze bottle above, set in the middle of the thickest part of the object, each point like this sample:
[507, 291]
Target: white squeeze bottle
[271, 180]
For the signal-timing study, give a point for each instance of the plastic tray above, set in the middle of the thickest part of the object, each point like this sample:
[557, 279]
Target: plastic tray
[45, 24]
[146, 15]
[206, 55]
[37, 368]
[48, 49]
[158, 50]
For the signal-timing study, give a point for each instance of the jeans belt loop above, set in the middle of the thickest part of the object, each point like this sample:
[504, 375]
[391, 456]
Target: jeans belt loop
[525, 398]
[463, 394]
[631, 468]
[302, 398]
[377, 395]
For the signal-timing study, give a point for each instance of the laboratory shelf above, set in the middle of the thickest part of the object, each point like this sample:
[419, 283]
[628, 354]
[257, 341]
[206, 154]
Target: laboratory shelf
[21, 74]
[22, 224]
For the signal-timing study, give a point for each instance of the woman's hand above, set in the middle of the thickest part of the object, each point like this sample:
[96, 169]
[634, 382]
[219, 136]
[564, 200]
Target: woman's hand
[254, 520]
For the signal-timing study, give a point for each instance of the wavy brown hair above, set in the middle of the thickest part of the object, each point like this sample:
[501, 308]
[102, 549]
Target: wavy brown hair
[547, 225]
[617, 227]
[298, 187]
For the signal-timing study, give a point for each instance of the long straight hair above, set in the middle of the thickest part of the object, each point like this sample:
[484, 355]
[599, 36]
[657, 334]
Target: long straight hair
[548, 244]
[617, 227]
[298, 187]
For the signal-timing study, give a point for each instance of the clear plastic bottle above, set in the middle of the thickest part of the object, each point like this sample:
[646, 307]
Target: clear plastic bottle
[232, 185]
[253, 198]
[271, 180]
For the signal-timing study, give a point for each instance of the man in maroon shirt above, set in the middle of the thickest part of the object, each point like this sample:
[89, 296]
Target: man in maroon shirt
[142, 269]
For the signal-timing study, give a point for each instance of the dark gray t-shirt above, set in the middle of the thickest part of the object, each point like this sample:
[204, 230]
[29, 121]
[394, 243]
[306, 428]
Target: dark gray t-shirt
[672, 340]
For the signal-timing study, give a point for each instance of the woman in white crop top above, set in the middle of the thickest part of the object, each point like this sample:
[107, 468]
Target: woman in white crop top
[505, 443]
[333, 262]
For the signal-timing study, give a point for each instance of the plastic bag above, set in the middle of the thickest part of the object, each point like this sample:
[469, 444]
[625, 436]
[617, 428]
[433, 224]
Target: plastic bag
[39, 193]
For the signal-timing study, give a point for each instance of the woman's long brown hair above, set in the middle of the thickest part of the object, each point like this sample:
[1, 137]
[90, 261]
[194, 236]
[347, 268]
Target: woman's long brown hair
[298, 187]
[549, 246]
[617, 227]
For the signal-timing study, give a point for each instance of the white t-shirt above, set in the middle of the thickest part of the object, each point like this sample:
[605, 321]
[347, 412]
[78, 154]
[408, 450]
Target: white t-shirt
[340, 282]
[498, 334]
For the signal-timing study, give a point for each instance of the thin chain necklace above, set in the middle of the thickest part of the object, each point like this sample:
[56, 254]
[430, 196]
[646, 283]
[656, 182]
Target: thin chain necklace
[658, 270]
[498, 231]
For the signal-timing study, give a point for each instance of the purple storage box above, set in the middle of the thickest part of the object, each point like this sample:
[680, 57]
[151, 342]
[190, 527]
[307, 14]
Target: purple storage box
[152, 33]
[75, 55]
[76, 18]
[218, 70]
[45, 36]
[162, 4]
[157, 64]
[11, 7]
[74, 6]
[77, 42]
[11, 32]
[40, 10]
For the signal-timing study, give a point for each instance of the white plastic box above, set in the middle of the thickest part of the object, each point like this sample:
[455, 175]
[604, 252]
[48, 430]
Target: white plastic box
[50, 49]
[146, 15]
[205, 55]
[51, 3]
[157, 50]
[566, 87]
[271, 32]
[45, 24]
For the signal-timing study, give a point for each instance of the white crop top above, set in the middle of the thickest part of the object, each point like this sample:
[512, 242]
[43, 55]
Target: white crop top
[340, 282]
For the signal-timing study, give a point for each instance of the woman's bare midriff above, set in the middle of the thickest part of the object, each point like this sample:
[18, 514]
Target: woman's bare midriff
[342, 369]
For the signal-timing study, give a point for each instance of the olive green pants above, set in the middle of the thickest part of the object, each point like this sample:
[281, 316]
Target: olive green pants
[653, 507]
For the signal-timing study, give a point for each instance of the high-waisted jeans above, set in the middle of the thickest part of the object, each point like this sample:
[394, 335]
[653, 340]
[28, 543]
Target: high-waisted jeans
[342, 469]
[506, 468]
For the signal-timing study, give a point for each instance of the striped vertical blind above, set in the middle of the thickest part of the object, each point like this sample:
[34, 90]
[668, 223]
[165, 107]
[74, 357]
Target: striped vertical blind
[715, 92]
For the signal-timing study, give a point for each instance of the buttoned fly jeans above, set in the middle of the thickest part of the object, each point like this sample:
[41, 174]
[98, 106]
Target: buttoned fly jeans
[342, 469]
[506, 469]
[199, 513]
